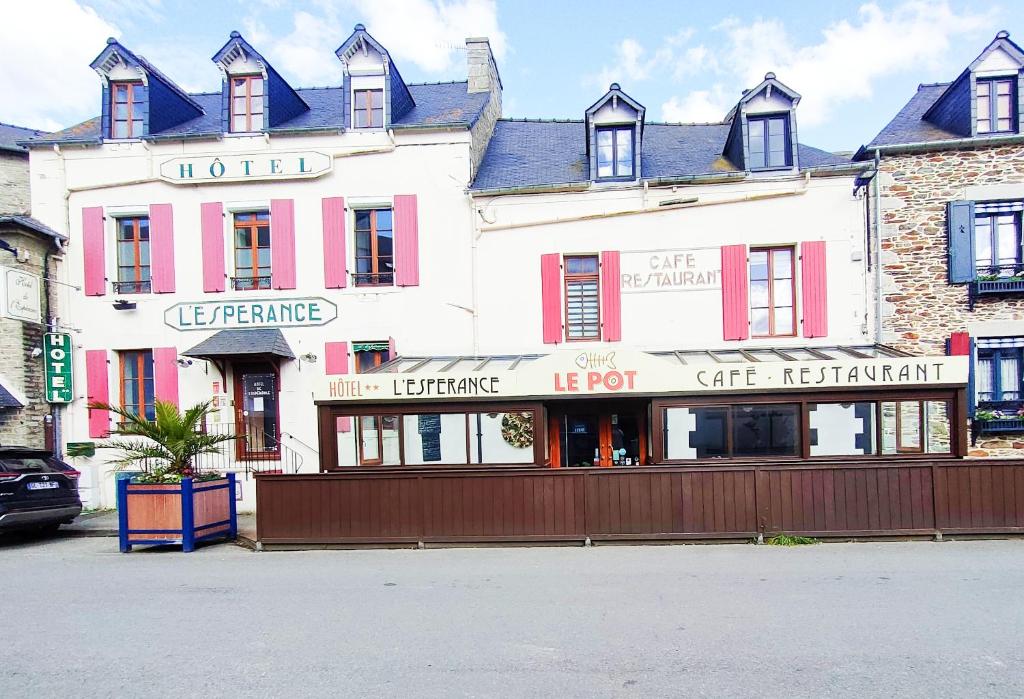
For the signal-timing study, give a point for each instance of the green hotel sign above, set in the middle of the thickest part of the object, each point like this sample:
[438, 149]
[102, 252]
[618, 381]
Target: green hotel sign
[57, 367]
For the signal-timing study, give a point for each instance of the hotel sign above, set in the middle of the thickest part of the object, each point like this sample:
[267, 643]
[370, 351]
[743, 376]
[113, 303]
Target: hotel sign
[21, 299]
[245, 167]
[250, 313]
[57, 372]
[694, 269]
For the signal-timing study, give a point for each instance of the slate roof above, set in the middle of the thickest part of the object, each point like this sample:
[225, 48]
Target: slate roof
[243, 341]
[11, 136]
[31, 224]
[532, 153]
[908, 127]
[8, 400]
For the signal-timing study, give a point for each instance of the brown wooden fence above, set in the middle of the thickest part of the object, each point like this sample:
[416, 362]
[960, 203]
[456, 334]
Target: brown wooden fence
[643, 503]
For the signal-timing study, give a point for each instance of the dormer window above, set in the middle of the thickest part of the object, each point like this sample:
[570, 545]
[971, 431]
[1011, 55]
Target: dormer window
[126, 109]
[368, 109]
[247, 103]
[995, 100]
[615, 152]
[769, 142]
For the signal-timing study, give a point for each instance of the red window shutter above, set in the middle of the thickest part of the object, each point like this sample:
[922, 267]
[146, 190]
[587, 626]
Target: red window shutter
[212, 223]
[611, 296]
[94, 251]
[161, 248]
[407, 241]
[960, 344]
[282, 243]
[97, 390]
[335, 276]
[814, 288]
[551, 296]
[165, 374]
[735, 309]
[336, 362]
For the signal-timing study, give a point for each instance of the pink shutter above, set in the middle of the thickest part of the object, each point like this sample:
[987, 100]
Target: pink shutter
[392, 349]
[551, 296]
[611, 296]
[336, 362]
[165, 374]
[94, 251]
[407, 241]
[282, 243]
[161, 248]
[97, 390]
[960, 344]
[335, 276]
[814, 288]
[212, 223]
[735, 312]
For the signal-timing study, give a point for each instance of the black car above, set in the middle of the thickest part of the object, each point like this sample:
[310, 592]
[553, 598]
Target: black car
[37, 490]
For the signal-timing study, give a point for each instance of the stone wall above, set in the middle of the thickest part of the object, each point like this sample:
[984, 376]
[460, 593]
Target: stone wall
[14, 192]
[483, 77]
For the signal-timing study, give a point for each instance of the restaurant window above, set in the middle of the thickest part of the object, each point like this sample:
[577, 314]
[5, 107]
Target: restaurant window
[434, 438]
[615, 152]
[126, 109]
[768, 142]
[375, 254]
[133, 270]
[757, 430]
[842, 429]
[137, 382]
[377, 440]
[247, 103]
[368, 109]
[772, 292]
[502, 438]
[582, 298]
[997, 240]
[252, 250]
[999, 374]
[370, 354]
[996, 98]
[915, 427]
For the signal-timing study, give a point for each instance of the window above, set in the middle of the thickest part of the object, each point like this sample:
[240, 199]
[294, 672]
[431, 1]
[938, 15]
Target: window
[842, 429]
[915, 427]
[772, 292]
[732, 431]
[377, 440]
[126, 109]
[582, 298]
[368, 109]
[375, 253]
[999, 374]
[137, 383]
[768, 142]
[615, 152]
[133, 256]
[997, 234]
[370, 355]
[247, 103]
[995, 105]
[252, 251]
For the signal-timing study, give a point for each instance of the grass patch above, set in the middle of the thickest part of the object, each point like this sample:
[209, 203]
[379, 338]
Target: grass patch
[786, 540]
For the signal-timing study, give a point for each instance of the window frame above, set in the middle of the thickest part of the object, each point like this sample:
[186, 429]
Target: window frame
[771, 250]
[615, 130]
[992, 218]
[379, 356]
[264, 282]
[993, 101]
[578, 277]
[131, 86]
[996, 355]
[786, 135]
[138, 285]
[369, 109]
[375, 262]
[232, 95]
[139, 356]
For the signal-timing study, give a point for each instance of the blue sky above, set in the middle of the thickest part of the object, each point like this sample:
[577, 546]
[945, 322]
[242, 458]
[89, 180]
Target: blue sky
[855, 63]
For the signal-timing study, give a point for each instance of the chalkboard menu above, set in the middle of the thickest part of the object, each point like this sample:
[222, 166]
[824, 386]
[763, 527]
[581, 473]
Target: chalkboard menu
[429, 423]
[429, 427]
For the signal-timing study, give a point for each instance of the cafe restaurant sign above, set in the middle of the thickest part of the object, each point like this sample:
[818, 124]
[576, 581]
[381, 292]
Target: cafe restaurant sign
[572, 373]
[694, 269]
[246, 167]
[250, 313]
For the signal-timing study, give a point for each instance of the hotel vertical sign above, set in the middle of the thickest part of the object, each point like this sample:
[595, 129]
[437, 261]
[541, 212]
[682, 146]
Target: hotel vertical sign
[57, 368]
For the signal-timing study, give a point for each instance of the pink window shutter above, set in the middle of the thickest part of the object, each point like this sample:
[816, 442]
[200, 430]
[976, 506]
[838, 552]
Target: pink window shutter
[735, 311]
[165, 374]
[94, 251]
[611, 296]
[161, 248]
[335, 276]
[97, 390]
[551, 297]
[407, 241]
[212, 223]
[814, 288]
[392, 349]
[336, 362]
[282, 243]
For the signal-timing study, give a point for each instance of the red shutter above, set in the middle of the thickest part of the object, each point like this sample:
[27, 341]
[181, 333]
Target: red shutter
[282, 243]
[93, 251]
[392, 349]
[960, 344]
[611, 296]
[212, 223]
[336, 362]
[97, 390]
[407, 241]
[551, 296]
[814, 288]
[161, 248]
[165, 374]
[335, 276]
[735, 311]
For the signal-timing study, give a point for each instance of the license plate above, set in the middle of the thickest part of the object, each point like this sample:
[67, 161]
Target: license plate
[44, 485]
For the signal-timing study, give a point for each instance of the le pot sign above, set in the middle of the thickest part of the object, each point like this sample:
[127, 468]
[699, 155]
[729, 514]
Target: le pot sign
[244, 167]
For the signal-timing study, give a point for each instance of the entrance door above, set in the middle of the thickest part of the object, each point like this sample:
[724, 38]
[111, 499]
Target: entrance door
[257, 418]
[601, 438]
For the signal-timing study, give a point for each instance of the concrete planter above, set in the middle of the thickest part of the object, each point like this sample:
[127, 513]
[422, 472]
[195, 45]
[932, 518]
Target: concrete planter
[180, 513]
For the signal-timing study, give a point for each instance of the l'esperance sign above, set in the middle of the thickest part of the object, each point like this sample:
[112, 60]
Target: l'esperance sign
[245, 167]
[250, 313]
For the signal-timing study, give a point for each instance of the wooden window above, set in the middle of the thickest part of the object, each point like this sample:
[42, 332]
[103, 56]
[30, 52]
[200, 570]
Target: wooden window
[375, 252]
[582, 298]
[768, 142]
[369, 355]
[252, 251]
[615, 152]
[247, 103]
[772, 292]
[368, 109]
[126, 109]
[137, 382]
[378, 440]
[995, 105]
[133, 271]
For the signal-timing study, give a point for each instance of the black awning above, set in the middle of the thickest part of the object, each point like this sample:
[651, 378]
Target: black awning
[262, 342]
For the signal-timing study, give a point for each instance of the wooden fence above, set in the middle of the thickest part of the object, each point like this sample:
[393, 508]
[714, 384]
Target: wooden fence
[642, 503]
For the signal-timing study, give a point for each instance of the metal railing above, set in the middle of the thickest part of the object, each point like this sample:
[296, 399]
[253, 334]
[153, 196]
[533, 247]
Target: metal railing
[249, 283]
[996, 279]
[252, 451]
[137, 287]
[369, 279]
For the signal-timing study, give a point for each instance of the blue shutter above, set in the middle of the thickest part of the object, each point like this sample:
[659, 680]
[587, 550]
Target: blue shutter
[960, 221]
[972, 393]
[105, 112]
[144, 92]
[225, 105]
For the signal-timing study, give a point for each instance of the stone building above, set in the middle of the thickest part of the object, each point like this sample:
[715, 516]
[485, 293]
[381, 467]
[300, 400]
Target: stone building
[947, 201]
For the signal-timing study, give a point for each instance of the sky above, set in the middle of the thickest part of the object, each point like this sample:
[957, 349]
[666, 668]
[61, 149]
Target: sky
[854, 63]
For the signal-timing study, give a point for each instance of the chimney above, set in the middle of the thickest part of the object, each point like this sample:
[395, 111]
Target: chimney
[483, 71]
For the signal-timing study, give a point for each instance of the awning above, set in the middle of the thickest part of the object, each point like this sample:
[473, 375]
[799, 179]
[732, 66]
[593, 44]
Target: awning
[256, 342]
[9, 397]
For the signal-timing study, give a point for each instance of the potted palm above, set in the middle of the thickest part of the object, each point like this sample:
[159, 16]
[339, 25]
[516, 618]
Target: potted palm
[171, 500]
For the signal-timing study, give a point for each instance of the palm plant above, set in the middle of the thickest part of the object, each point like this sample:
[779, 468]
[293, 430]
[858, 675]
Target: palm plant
[173, 439]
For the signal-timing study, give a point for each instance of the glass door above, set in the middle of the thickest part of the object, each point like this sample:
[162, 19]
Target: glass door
[601, 439]
[257, 418]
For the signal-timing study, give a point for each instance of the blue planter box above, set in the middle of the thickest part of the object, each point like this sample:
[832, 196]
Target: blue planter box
[180, 513]
[991, 426]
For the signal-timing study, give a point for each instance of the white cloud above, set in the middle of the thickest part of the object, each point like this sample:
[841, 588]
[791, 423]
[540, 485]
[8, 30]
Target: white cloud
[632, 63]
[699, 105]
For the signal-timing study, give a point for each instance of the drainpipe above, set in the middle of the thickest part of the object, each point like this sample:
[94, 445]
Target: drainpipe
[878, 247]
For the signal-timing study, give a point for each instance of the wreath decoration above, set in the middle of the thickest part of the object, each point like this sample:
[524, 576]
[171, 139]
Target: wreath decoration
[517, 429]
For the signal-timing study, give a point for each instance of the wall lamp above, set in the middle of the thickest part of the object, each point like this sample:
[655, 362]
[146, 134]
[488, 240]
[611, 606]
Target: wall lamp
[308, 357]
[182, 362]
[122, 305]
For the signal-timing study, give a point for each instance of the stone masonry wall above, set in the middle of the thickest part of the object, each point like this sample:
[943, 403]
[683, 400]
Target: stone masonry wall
[14, 193]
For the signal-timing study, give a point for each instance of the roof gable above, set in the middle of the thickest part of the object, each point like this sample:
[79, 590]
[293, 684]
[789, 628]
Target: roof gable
[398, 100]
[115, 54]
[283, 102]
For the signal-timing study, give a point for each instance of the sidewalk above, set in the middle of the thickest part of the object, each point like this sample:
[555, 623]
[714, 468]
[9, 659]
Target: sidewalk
[104, 523]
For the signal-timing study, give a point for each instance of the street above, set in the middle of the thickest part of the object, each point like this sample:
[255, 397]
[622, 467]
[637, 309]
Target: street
[865, 619]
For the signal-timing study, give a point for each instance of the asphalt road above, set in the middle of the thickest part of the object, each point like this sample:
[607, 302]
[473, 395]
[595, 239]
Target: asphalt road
[909, 619]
